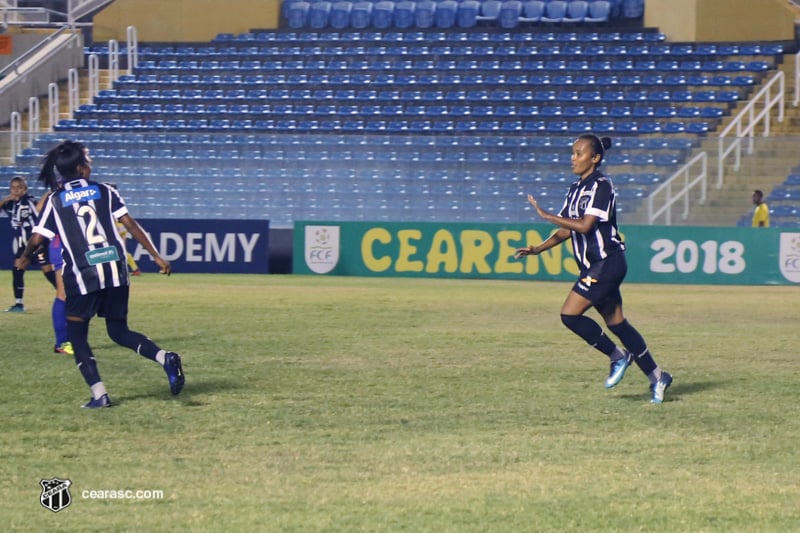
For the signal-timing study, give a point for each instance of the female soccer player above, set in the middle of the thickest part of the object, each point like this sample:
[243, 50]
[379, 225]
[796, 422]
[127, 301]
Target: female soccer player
[589, 218]
[84, 213]
[21, 209]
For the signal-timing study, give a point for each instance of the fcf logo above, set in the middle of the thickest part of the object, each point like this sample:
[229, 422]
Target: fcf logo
[322, 248]
[55, 494]
[790, 256]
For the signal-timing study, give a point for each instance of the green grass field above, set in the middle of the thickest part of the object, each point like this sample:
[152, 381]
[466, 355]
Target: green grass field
[351, 404]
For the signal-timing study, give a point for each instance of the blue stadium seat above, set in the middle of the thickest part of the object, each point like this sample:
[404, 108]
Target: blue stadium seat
[555, 11]
[319, 15]
[533, 10]
[360, 15]
[424, 16]
[576, 11]
[446, 14]
[404, 13]
[599, 12]
[490, 10]
[510, 11]
[340, 14]
[297, 14]
[382, 14]
[468, 13]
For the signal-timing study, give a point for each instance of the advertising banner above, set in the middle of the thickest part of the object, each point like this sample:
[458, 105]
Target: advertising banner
[191, 246]
[656, 254]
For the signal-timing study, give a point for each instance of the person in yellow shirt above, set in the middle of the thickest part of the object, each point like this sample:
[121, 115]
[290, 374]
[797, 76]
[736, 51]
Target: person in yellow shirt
[761, 211]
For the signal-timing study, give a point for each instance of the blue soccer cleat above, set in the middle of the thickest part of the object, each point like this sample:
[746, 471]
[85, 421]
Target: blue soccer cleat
[660, 387]
[618, 369]
[102, 401]
[174, 370]
[16, 308]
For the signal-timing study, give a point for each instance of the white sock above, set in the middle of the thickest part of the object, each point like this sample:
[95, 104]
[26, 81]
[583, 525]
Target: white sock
[98, 389]
[161, 356]
[655, 375]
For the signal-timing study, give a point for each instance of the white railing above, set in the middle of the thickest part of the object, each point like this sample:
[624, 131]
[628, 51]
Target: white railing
[77, 9]
[756, 112]
[796, 100]
[687, 178]
[133, 48]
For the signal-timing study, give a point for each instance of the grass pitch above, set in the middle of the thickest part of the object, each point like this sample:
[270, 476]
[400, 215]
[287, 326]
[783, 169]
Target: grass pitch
[351, 404]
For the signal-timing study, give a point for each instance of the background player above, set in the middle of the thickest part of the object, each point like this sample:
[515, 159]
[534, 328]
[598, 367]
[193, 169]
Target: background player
[21, 209]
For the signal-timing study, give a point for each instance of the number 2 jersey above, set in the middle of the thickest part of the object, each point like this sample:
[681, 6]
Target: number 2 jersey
[84, 214]
[593, 195]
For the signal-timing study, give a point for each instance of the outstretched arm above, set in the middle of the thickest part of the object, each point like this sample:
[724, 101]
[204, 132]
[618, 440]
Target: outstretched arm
[581, 225]
[139, 234]
[555, 239]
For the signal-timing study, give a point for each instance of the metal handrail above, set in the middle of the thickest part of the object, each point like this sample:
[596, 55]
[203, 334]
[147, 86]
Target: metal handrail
[763, 98]
[14, 66]
[688, 185]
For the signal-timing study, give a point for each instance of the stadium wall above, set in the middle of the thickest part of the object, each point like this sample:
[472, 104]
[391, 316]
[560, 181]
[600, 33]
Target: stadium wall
[721, 20]
[183, 20]
[202, 20]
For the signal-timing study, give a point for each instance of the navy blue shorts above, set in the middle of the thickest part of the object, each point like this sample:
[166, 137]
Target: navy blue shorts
[600, 283]
[111, 304]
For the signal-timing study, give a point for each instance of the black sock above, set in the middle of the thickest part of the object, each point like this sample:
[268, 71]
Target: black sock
[634, 342]
[119, 332]
[591, 332]
[19, 283]
[78, 333]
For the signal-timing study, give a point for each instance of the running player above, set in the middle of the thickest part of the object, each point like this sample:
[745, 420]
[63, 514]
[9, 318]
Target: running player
[589, 218]
[84, 213]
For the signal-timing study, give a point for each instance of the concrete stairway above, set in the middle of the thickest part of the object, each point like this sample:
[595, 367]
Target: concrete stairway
[771, 161]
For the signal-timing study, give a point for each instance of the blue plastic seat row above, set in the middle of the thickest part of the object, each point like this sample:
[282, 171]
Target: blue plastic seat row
[257, 37]
[251, 56]
[477, 92]
[425, 14]
[477, 108]
[461, 71]
[358, 124]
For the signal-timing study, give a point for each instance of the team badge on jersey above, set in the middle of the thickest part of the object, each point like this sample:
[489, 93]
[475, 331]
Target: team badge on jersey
[55, 494]
[82, 194]
[322, 248]
[790, 256]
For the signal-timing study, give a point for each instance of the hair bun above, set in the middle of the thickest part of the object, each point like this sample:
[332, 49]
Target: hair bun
[606, 141]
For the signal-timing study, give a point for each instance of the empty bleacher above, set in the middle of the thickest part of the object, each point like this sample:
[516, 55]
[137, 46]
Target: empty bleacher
[401, 125]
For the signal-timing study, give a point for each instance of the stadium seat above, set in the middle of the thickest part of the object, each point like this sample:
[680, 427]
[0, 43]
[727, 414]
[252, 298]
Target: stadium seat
[576, 11]
[490, 10]
[361, 15]
[319, 15]
[404, 12]
[382, 14]
[425, 14]
[510, 11]
[297, 14]
[468, 12]
[533, 10]
[446, 13]
[340, 14]
[599, 11]
[555, 11]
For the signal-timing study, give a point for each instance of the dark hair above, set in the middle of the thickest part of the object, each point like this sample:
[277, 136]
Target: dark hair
[758, 192]
[61, 163]
[599, 144]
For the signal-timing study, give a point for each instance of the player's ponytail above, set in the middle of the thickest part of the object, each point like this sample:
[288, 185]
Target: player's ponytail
[61, 163]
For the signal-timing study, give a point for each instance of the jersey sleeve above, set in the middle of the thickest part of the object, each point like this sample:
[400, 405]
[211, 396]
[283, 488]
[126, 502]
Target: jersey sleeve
[118, 207]
[600, 203]
[46, 225]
